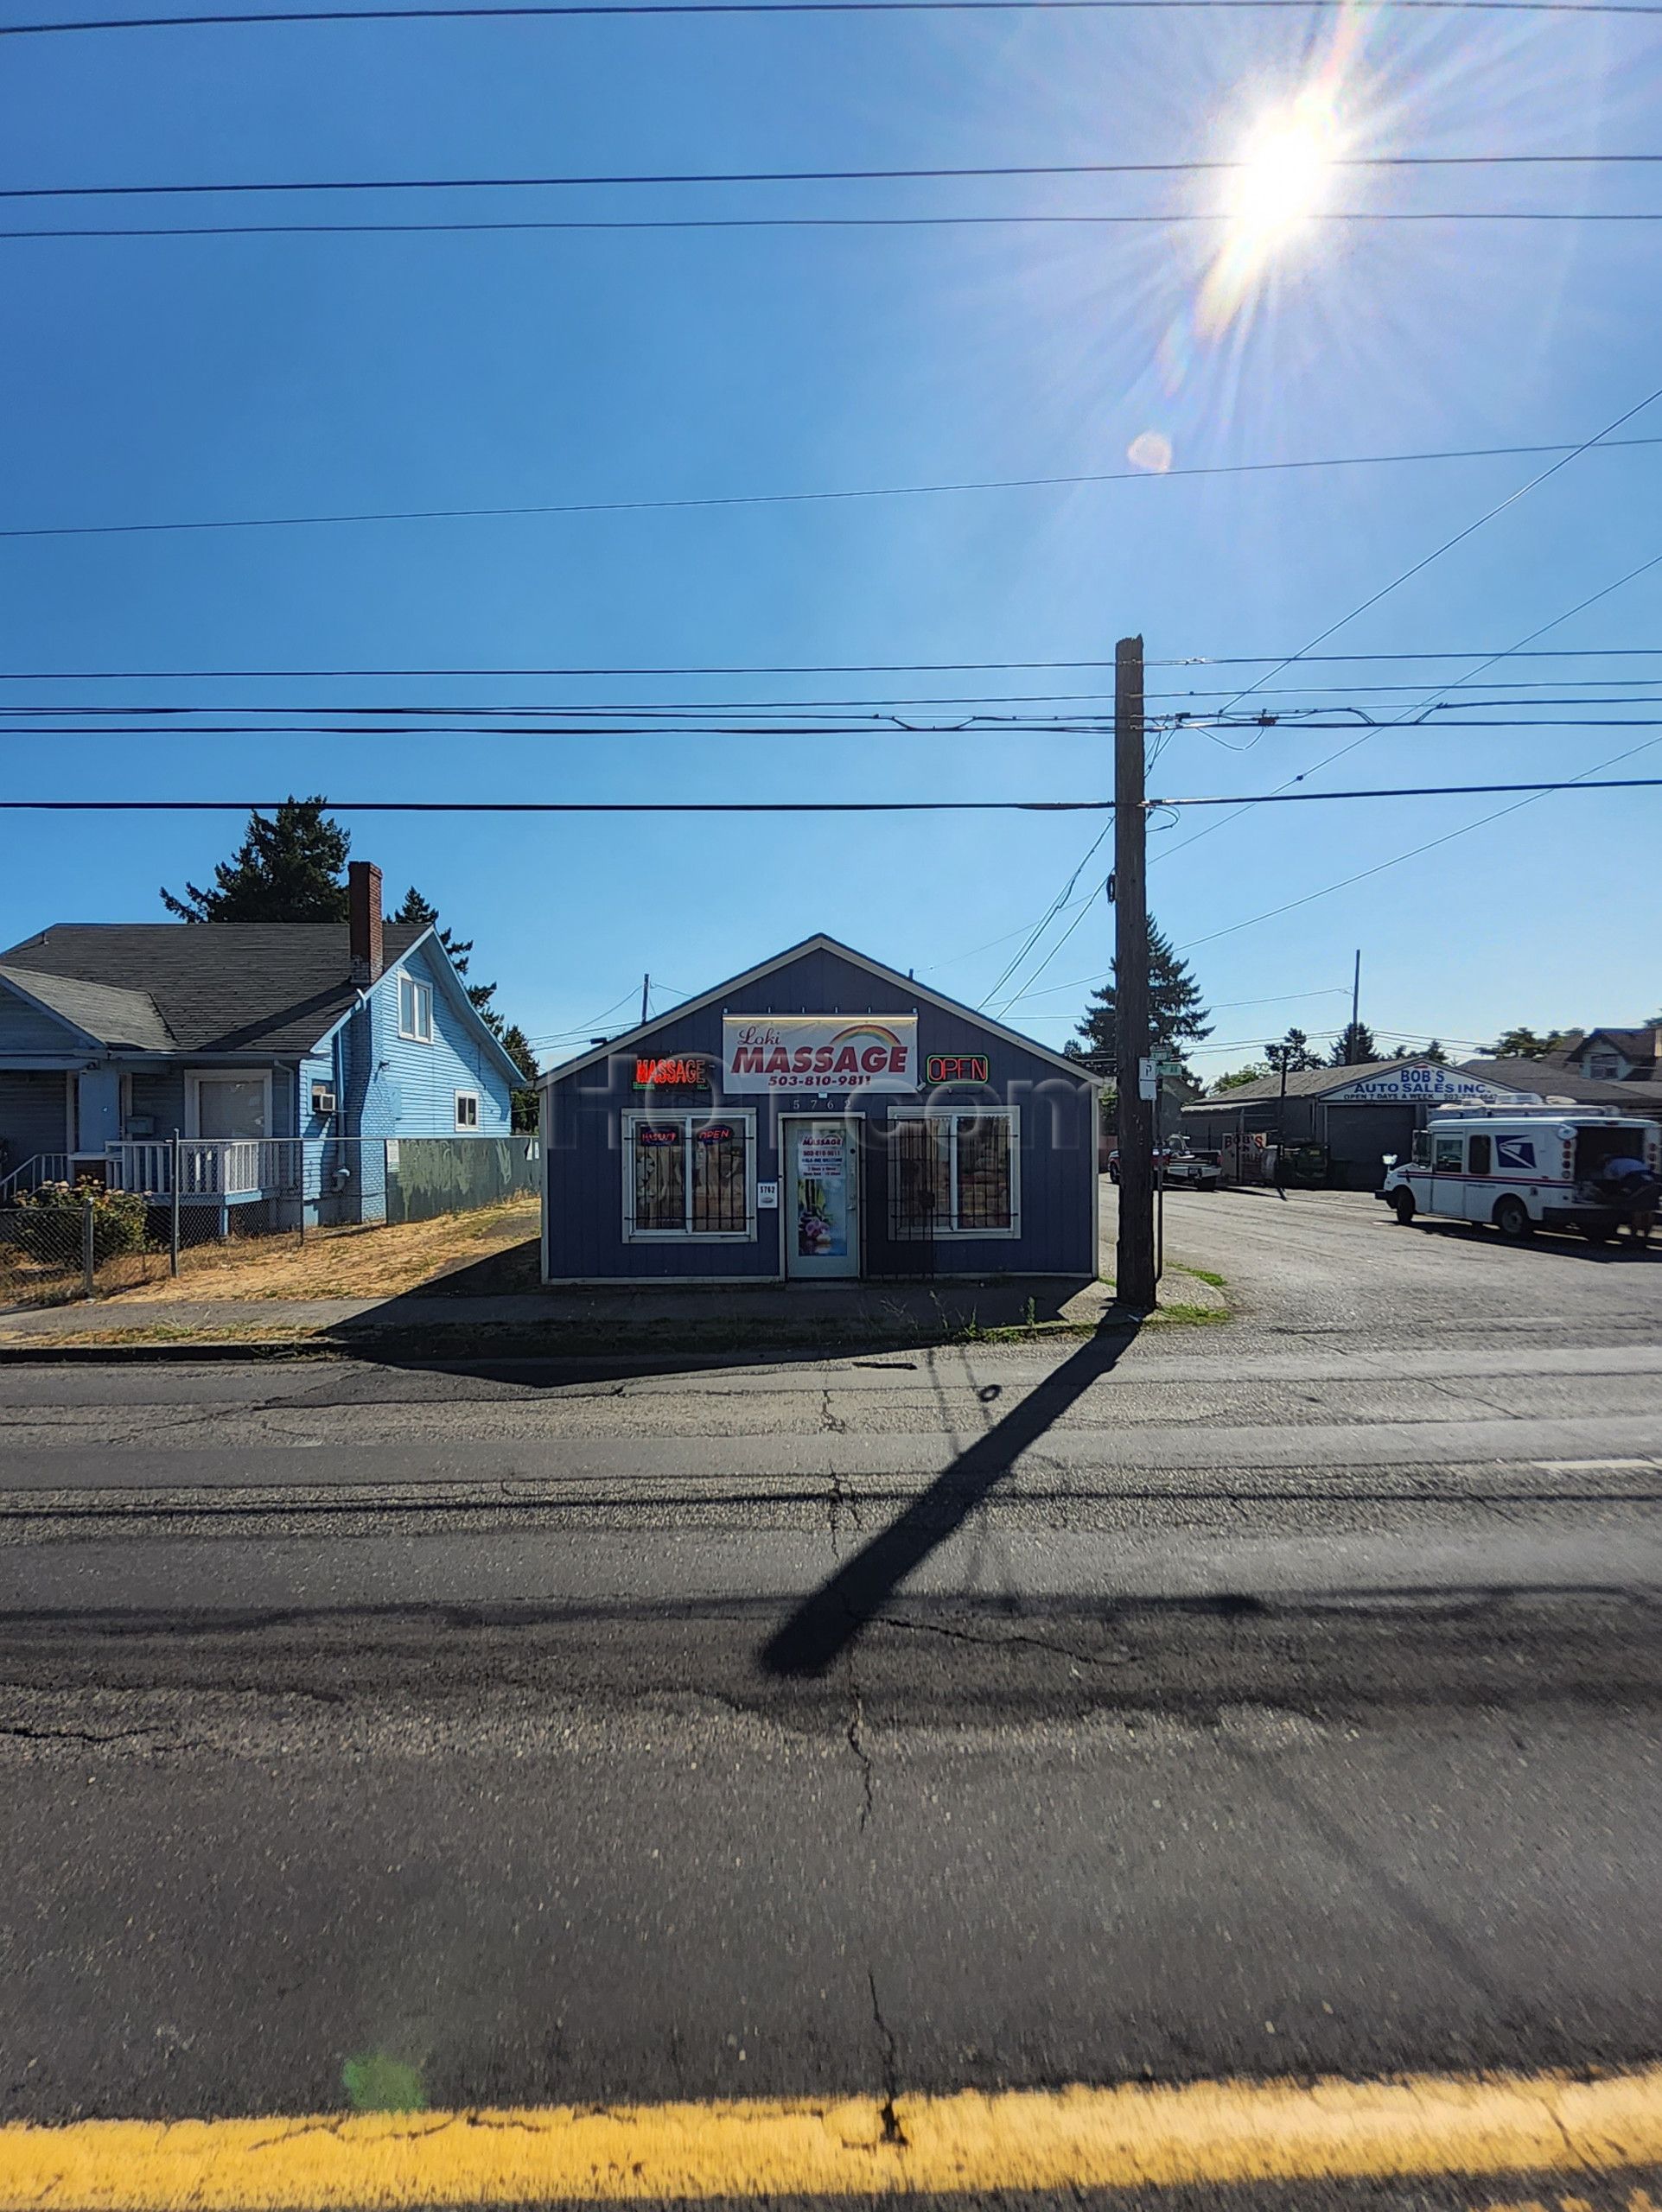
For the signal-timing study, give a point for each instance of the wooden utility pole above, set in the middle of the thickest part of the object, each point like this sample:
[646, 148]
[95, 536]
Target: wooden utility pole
[646, 996]
[1355, 1003]
[1135, 1267]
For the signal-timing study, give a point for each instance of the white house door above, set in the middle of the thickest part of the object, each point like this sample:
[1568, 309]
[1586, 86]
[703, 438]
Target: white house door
[822, 1220]
[97, 1110]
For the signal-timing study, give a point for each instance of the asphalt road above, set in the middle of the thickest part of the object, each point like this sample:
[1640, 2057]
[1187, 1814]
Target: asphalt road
[1274, 1698]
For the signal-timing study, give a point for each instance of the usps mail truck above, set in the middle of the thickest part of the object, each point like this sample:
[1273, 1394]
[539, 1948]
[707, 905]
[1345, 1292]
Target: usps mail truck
[1524, 1168]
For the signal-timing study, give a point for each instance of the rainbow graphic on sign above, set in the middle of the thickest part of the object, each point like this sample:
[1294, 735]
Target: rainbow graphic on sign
[818, 1054]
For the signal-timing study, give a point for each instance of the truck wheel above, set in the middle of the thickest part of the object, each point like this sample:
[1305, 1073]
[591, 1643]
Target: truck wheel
[1404, 1202]
[1511, 1219]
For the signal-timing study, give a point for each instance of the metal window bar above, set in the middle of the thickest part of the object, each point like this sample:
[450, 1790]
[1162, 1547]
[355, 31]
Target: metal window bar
[720, 1196]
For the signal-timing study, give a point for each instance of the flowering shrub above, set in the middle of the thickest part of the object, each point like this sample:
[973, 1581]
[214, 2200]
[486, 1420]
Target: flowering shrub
[49, 1224]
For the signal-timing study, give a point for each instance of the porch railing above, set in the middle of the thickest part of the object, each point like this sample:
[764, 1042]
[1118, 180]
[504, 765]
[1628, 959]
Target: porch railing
[233, 1168]
[31, 1174]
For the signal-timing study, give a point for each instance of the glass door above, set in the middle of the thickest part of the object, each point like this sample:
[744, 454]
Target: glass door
[822, 1222]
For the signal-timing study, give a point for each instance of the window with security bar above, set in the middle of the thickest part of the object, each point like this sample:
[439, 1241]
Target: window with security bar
[689, 1175]
[955, 1174]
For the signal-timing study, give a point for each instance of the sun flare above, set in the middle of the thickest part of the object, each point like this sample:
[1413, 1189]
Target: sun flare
[1286, 170]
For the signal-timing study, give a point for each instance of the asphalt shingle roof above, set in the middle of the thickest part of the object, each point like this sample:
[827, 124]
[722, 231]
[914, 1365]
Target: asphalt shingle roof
[115, 1017]
[1301, 1082]
[1547, 1080]
[213, 987]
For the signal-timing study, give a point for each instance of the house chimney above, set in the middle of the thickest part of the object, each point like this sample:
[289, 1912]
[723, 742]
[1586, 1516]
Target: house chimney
[364, 920]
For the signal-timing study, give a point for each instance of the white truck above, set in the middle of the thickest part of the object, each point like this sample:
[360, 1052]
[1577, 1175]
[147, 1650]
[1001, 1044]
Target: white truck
[1528, 1167]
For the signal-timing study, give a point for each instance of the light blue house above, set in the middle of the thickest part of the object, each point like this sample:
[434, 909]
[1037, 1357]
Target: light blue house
[256, 1063]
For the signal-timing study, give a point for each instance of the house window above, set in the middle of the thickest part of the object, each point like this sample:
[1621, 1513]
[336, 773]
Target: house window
[689, 1175]
[466, 1110]
[415, 1010]
[1604, 1067]
[955, 1174]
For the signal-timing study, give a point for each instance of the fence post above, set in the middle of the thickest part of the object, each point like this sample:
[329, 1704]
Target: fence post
[88, 1247]
[173, 1239]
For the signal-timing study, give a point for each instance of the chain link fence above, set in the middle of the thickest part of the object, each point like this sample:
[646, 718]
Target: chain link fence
[63, 1241]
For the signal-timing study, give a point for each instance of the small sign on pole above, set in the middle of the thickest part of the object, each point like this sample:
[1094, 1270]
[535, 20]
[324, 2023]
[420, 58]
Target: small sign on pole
[1147, 1079]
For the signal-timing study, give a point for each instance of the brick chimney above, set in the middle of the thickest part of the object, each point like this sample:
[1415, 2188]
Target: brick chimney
[364, 920]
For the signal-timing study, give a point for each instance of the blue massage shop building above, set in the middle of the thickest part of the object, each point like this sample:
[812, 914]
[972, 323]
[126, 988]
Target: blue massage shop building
[820, 1116]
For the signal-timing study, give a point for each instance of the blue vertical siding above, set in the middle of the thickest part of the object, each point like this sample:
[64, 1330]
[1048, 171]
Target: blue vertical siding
[34, 1114]
[583, 1160]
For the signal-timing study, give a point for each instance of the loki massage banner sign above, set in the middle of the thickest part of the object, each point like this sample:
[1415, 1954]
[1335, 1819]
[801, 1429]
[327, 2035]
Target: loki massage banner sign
[819, 1052]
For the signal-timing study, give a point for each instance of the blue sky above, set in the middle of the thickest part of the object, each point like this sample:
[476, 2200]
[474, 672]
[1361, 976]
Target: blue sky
[158, 379]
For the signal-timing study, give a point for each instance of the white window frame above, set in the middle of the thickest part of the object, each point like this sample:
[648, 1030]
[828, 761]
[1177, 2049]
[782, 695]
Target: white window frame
[955, 1114]
[689, 1117]
[1604, 1066]
[421, 1000]
[196, 1078]
[471, 1097]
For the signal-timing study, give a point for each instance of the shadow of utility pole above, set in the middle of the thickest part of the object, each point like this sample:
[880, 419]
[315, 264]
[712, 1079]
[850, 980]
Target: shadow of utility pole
[827, 1622]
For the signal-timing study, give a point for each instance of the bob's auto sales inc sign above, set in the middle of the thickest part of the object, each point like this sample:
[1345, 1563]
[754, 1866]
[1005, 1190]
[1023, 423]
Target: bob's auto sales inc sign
[816, 1052]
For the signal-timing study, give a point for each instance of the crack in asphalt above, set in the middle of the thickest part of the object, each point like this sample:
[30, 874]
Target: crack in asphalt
[889, 2060]
[1014, 1636]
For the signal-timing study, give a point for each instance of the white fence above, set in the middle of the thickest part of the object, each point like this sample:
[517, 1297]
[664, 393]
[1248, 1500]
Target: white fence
[234, 1167]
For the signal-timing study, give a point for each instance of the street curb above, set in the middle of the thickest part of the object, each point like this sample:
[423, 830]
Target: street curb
[431, 1348]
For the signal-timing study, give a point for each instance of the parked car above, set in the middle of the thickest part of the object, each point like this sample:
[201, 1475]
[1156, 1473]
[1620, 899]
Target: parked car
[1191, 1171]
[1523, 1169]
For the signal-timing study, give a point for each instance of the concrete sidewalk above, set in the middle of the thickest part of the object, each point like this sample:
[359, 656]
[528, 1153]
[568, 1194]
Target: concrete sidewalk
[740, 1317]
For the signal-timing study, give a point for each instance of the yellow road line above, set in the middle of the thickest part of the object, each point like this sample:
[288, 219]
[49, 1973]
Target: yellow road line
[1417, 2127]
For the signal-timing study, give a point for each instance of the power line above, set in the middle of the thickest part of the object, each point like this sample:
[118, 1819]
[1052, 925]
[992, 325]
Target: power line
[1448, 543]
[666, 178]
[886, 726]
[564, 9]
[1518, 651]
[1057, 905]
[789, 806]
[797, 499]
[1413, 853]
[1426, 791]
[565, 806]
[1163, 219]
[797, 668]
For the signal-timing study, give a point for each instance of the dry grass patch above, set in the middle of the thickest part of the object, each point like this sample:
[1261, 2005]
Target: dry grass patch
[348, 1262]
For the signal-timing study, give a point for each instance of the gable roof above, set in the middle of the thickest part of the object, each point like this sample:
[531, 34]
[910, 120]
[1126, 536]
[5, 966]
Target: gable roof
[818, 942]
[1301, 1082]
[1545, 1080]
[1632, 1044]
[106, 1014]
[212, 986]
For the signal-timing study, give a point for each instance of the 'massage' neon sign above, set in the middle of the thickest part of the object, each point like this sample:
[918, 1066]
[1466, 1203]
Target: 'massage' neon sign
[680, 1074]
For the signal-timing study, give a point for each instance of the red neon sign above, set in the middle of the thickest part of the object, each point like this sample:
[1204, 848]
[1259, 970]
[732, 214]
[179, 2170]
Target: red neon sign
[957, 1067]
[679, 1074]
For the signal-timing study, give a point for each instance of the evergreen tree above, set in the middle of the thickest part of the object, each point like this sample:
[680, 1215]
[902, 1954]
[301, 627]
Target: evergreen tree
[289, 867]
[1435, 1053]
[417, 910]
[1525, 1045]
[1356, 1044]
[1294, 1050]
[517, 1046]
[1177, 1014]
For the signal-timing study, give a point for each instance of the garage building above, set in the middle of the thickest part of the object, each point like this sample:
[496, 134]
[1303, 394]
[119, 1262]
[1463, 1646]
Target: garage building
[1358, 1113]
